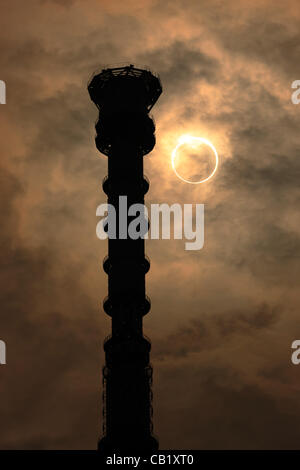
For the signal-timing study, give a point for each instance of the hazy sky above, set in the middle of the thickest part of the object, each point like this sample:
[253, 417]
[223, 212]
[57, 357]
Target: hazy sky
[222, 318]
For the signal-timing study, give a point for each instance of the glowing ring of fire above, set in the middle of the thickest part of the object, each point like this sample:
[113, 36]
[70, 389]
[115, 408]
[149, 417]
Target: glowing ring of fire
[187, 139]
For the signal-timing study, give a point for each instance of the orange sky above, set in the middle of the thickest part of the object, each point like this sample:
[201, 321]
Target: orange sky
[222, 319]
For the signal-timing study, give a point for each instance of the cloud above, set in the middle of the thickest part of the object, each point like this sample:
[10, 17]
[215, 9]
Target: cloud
[210, 330]
[222, 319]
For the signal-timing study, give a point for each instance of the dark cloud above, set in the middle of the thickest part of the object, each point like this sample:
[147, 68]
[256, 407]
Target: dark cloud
[181, 65]
[222, 319]
[41, 388]
[219, 408]
[211, 330]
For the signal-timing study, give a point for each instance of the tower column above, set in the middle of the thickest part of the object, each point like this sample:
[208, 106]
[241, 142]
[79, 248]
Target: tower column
[125, 133]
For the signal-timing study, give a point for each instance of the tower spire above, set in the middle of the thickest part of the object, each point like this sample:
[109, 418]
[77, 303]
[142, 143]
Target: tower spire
[125, 133]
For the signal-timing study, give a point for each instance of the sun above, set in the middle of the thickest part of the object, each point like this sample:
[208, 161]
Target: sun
[192, 141]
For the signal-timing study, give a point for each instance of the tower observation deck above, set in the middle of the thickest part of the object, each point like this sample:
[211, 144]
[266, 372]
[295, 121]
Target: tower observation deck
[125, 133]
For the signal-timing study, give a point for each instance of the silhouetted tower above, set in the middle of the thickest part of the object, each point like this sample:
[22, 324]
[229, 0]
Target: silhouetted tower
[125, 133]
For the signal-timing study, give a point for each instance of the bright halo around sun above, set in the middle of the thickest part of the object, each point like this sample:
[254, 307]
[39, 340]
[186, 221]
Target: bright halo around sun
[190, 140]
